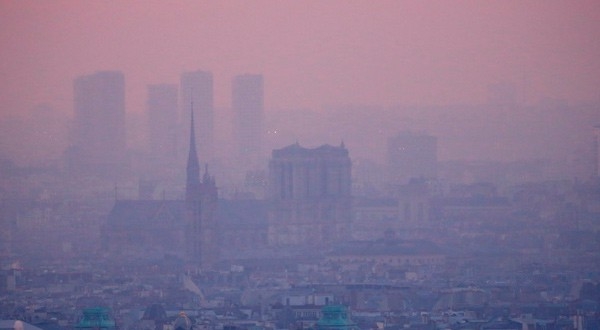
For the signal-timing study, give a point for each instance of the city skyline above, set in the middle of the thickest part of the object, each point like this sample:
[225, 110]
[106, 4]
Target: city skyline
[314, 165]
[423, 53]
[493, 81]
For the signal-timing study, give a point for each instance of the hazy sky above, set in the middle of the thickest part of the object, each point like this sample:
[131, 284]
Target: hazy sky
[312, 53]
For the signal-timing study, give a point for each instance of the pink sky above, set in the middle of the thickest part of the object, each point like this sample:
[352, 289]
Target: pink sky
[312, 53]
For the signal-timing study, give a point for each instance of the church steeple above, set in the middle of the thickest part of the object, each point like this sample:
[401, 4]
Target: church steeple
[201, 205]
[193, 166]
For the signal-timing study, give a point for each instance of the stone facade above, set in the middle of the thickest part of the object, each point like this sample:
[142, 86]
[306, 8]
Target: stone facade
[309, 195]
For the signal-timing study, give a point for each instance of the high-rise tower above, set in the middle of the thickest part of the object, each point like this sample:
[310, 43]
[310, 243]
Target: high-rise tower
[201, 205]
[248, 109]
[197, 87]
[98, 139]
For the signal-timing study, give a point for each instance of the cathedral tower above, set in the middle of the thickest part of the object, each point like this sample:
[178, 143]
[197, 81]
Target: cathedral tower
[201, 203]
[309, 196]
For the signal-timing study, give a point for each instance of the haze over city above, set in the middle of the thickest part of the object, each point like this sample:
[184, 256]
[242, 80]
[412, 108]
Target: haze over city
[269, 165]
[312, 53]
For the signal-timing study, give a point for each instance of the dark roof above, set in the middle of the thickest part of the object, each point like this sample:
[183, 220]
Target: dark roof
[247, 213]
[375, 202]
[386, 247]
[160, 213]
[297, 150]
[474, 201]
[139, 213]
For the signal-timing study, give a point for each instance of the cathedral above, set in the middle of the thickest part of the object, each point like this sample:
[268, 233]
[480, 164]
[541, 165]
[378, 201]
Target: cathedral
[309, 204]
[200, 208]
[309, 196]
[156, 228]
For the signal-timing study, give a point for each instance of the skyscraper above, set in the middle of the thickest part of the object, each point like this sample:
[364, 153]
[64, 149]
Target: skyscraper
[309, 195]
[99, 143]
[411, 156]
[248, 109]
[197, 87]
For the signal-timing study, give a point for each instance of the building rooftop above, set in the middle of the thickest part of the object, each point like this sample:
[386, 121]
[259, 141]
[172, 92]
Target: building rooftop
[295, 150]
[387, 247]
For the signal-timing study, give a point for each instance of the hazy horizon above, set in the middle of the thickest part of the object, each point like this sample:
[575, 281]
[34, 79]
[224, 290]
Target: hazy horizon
[244, 165]
[337, 70]
[312, 54]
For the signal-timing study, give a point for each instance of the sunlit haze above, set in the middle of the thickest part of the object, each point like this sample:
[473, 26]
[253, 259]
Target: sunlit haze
[300, 165]
[312, 53]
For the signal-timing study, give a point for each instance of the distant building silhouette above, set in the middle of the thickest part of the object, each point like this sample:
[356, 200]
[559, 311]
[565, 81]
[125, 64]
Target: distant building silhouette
[309, 195]
[414, 205]
[201, 205]
[410, 156]
[248, 108]
[596, 151]
[98, 138]
[407, 213]
[197, 87]
[155, 228]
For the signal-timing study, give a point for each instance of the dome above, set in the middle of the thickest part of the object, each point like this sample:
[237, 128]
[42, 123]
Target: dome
[182, 322]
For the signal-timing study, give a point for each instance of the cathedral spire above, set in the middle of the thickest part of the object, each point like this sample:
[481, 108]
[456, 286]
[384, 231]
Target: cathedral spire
[206, 177]
[193, 166]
